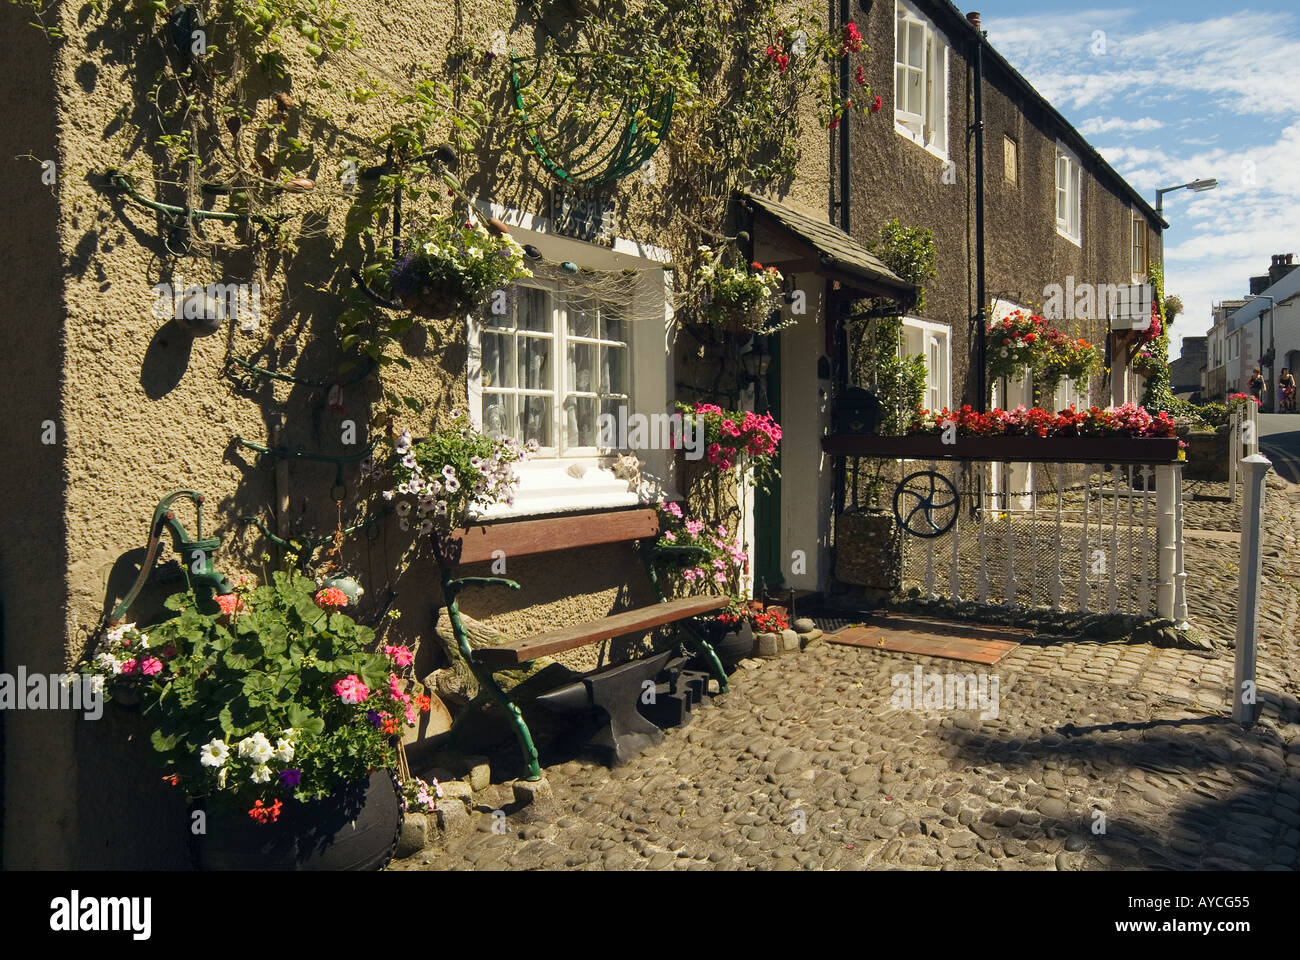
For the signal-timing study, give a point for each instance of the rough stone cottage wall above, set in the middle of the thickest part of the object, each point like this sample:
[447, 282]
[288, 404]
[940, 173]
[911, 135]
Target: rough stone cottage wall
[894, 177]
[142, 410]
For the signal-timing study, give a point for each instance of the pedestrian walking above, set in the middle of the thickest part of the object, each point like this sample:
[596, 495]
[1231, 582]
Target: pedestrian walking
[1286, 383]
[1257, 387]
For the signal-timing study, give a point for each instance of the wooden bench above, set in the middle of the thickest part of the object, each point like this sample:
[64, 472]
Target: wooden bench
[521, 538]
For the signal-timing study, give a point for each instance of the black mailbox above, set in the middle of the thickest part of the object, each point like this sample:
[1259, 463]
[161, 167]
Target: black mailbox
[856, 411]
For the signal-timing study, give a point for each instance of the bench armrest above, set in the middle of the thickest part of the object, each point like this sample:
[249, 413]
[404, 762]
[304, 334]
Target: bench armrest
[460, 584]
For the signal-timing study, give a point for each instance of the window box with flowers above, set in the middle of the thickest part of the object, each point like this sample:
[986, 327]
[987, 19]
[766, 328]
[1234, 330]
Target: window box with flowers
[274, 716]
[1126, 434]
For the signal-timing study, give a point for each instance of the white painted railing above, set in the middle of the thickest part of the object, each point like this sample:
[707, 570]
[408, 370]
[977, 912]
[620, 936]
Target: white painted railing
[1069, 536]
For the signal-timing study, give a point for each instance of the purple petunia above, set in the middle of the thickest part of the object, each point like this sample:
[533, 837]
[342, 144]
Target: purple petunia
[290, 778]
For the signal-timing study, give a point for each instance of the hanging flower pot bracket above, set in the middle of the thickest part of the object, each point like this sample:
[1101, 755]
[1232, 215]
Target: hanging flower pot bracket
[183, 222]
[338, 492]
[573, 149]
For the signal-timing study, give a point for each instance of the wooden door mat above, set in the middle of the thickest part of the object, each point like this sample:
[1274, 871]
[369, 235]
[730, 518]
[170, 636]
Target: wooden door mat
[972, 642]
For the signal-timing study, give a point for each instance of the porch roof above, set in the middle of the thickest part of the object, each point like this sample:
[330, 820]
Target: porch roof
[835, 253]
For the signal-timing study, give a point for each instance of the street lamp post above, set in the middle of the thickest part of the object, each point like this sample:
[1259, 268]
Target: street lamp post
[1198, 186]
[1272, 346]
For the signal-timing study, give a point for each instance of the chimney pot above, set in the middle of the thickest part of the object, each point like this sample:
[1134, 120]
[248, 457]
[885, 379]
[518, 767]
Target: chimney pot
[974, 19]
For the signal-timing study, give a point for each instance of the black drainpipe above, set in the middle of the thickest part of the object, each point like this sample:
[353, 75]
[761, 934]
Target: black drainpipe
[981, 320]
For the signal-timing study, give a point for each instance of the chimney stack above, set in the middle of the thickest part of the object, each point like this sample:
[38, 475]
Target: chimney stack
[974, 18]
[1282, 264]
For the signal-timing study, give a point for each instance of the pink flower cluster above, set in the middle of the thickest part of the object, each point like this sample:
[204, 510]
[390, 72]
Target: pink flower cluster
[1129, 420]
[734, 435]
[351, 689]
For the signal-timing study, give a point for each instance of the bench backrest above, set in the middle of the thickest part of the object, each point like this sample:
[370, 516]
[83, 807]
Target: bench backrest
[522, 538]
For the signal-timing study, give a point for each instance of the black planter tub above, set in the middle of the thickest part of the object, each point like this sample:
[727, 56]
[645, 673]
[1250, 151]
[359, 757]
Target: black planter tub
[356, 829]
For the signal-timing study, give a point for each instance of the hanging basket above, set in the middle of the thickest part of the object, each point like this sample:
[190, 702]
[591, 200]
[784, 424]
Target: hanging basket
[434, 304]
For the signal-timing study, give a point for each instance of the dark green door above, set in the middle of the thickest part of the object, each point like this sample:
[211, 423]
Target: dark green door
[767, 504]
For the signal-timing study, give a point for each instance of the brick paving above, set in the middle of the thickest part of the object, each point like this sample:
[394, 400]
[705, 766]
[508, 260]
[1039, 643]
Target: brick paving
[1101, 755]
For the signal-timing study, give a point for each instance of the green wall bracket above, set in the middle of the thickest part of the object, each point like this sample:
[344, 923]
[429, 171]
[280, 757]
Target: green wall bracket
[572, 148]
[196, 554]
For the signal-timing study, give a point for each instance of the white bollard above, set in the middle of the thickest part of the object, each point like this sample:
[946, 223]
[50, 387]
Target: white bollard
[1245, 693]
[1166, 540]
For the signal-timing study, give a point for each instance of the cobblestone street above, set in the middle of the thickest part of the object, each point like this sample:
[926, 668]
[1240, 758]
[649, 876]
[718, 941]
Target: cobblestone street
[1101, 755]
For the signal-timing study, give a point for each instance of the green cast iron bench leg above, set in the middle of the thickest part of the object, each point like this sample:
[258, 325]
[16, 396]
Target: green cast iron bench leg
[489, 689]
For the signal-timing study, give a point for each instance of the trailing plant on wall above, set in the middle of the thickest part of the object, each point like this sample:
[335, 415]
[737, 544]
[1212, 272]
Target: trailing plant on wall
[1157, 394]
[876, 329]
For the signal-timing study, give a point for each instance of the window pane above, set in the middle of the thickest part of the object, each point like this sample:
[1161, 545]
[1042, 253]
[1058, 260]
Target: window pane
[534, 308]
[535, 418]
[915, 45]
[499, 415]
[916, 92]
[500, 321]
[611, 325]
[900, 39]
[900, 87]
[582, 318]
[582, 368]
[580, 421]
[535, 363]
[497, 367]
[613, 370]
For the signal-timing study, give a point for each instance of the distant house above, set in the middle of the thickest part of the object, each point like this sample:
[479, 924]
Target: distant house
[1264, 331]
[1185, 372]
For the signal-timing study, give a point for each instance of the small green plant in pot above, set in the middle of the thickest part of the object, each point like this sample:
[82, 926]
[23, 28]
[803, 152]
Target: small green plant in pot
[737, 298]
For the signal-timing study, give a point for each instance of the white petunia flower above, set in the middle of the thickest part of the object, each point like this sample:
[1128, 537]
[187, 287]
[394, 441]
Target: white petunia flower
[283, 750]
[214, 753]
[404, 509]
[403, 443]
[261, 774]
[257, 747]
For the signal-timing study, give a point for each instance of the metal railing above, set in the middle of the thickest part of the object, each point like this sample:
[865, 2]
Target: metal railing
[1069, 536]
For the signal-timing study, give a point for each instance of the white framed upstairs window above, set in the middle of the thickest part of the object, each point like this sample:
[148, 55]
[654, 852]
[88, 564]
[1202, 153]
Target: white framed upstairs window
[920, 80]
[551, 364]
[1069, 195]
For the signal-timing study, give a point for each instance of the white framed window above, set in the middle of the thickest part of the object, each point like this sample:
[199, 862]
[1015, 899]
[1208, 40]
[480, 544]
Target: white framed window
[552, 362]
[1140, 242]
[1069, 195]
[1010, 160]
[547, 356]
[933, 341]
[920, 80]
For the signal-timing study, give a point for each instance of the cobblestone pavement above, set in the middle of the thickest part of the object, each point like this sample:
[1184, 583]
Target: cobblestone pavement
[1101, 755]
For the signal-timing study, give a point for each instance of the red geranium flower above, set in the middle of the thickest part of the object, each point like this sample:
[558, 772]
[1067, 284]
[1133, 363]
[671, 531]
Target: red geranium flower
[332, 597]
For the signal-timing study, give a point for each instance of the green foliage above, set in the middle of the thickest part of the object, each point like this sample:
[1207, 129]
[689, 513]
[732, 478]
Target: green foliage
[1158, 394]
[876, 337]
[268, 668]
[909, 252]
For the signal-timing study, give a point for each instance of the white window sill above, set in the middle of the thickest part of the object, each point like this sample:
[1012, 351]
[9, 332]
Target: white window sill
[548, 487]
[1077, 241]
[905, 132]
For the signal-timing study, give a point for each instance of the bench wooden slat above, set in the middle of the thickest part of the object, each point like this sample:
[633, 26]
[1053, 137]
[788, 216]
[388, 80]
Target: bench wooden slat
[581, 634]
[522, 538]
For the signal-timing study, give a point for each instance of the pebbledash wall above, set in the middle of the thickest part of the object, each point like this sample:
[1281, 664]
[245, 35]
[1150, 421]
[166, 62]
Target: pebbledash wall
[893, 175]
[141, 410]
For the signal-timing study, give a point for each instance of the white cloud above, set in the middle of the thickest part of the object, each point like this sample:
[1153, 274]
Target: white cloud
[1227, 84]
[1094, 125]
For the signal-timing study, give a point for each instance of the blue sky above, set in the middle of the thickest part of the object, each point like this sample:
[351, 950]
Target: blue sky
[1177, 92]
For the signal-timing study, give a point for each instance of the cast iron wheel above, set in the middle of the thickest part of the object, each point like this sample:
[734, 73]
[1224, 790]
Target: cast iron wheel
[921, 494]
